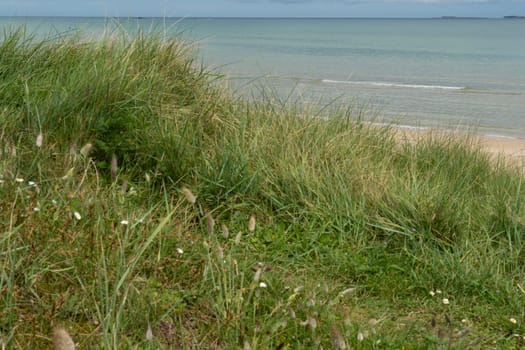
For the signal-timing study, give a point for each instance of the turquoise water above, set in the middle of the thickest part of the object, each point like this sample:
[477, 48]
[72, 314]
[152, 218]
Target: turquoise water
[418, 72]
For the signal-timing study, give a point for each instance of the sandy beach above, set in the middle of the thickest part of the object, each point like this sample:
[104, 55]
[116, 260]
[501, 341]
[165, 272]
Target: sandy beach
[508, 147]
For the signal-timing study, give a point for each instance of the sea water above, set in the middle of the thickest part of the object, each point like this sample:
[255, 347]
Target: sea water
[416, 72]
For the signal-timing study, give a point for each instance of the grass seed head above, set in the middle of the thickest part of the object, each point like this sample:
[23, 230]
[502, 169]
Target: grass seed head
[347, 291]
[225, 231]
[312, 322]
[62, 340]
[210, 223]
[338, 341]
[190, 197]
[251, 223]
[149, 333]
[73, 148]
[39, 140]
[86, 149]
[238, 237]
[360, 336]
[114, 167]
[257, 275]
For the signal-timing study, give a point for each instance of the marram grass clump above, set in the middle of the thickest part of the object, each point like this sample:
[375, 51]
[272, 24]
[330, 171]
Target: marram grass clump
[121, 158]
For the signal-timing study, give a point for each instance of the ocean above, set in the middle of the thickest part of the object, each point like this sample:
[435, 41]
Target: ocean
[447, 73]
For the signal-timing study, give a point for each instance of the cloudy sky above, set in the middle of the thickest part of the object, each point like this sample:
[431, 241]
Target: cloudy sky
[263, 8]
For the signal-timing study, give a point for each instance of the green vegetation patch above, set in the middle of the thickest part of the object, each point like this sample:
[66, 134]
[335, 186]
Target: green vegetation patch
[145, 206]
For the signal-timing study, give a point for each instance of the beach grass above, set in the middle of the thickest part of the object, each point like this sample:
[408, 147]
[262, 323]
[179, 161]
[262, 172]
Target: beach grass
[145, 206]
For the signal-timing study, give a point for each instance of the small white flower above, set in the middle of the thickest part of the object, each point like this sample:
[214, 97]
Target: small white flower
[19, 180]
[124, 222]
[54, 202]
[77, 215]
[438, 291]
[36, 209]
[180, 251]
[31, 183]
[446, 301]
[432, 293]
[464, 321]
[513, 320]
[263, 285]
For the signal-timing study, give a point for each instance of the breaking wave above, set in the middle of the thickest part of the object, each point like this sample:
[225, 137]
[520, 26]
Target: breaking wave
[400, 85]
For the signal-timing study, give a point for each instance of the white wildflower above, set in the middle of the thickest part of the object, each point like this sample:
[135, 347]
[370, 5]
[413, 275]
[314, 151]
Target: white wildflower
[124, 222]
[36, 209]
[446, 301]
[438, 291]
[263, 285]
[19, 180]
[77, 215]
[180, 251]
[513, 320]
[31, 183]
[432, 293]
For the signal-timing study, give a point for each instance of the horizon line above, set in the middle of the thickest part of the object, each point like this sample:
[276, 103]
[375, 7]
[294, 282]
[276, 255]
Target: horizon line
[266, 17]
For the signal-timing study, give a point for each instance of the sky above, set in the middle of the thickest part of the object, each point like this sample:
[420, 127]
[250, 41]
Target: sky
[263, 8]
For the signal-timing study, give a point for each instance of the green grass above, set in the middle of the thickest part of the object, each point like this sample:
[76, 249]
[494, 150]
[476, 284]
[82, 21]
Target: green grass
[338, 204]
